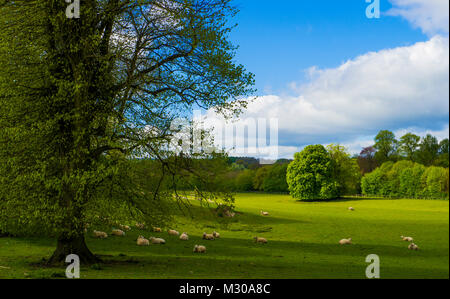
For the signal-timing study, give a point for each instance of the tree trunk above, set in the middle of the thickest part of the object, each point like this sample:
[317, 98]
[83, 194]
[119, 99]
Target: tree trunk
[72, 245]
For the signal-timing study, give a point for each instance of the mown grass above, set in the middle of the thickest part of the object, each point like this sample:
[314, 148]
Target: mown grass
[303, 243]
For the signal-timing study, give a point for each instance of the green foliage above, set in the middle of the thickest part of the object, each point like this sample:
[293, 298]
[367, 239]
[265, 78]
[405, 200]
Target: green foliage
[435, 181]
[260, 177]
[428, 151]
[345, 170]
[410, 181]
[386, 146]
[407, 179]
[244, 180]
[371, 183]
[408, 145]
[310, 175]
[275, 180]
[77, 103]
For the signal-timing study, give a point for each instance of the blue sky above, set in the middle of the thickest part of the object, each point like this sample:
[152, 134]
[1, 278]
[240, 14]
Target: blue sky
[328, 74]
[277, 43]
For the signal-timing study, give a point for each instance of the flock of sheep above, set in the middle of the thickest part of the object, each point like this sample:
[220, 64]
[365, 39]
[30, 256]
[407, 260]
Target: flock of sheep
[412, 245]
[141, 241]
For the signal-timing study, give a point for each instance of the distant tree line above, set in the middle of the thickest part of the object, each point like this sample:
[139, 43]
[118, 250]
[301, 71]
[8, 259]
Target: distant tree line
[427, 151]
[412, 167]
[408, 180]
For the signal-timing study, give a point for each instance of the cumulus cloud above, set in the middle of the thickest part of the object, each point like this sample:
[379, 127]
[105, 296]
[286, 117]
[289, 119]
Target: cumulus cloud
[405, 87]
[431, 16]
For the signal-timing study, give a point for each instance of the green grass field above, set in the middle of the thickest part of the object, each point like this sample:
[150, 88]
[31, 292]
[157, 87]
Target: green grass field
[303, 243]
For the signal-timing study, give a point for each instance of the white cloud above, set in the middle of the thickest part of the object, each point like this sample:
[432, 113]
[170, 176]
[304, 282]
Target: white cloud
[432, 16]
[439, 134]
[391, 89]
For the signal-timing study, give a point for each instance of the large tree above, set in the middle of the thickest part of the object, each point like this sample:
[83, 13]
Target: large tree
[428, 150]
[386, 146]
[310, 175]
[409, 145]
[345, 170]
[80, 96]
[366, 160]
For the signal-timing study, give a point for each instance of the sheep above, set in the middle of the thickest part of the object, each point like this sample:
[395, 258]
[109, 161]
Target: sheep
[100, 235]
[345, 241]
[351, 209]
[199, 249]
[407, 239]
[173, 232]
[140, 225]
[260, 240]
[141, 241]
[229, 214]
[118, 232]
[264, 213]
[184, 237]
[157, 230]
[208, 237]
[413, 246]
[125, 227]
[157, 240]
[216, 235]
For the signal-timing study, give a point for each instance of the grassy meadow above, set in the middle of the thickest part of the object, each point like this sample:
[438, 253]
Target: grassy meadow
[302, 243]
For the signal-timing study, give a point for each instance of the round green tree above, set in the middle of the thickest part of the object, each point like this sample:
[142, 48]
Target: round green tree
[310, 175]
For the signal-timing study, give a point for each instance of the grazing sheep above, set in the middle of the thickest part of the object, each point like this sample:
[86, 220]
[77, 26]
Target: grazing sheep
[413, 246]
[407, 239]
[157, 230]
[140, 225]
[173, 232]
[125, 227]
[351, 209]
[100, 235]
[118, 232]
[141, 241]
[260, 240]
[264, 213]
[229, 214]
[199, 249]
[216, 235]
[157, 240]
[184, 237]
[208, 237]
[345, 241]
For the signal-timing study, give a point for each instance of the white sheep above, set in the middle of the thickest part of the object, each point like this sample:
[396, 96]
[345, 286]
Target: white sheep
[125, 227]
[260, 240]
[118, 232]
[413, 246]
[264, 213]
[407, 239]
[140, 225]
[141, 241]
[345, 241]
[184, 237]
[208, 237]
[199, 249]
[351, 209]
[173, 232]
[216, 235]
[157, 240]
[100, 235]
